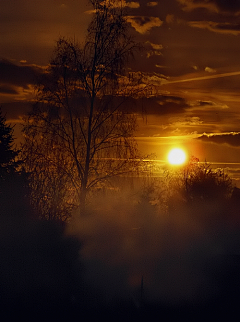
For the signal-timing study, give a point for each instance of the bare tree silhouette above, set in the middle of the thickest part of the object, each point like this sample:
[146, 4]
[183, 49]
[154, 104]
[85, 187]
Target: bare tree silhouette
[80, 127]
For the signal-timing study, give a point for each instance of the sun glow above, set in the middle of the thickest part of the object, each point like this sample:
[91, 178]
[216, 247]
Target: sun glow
[177, 156]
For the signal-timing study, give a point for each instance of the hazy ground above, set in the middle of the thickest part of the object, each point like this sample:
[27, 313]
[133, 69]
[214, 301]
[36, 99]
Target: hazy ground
[179, 257]
[125, 254]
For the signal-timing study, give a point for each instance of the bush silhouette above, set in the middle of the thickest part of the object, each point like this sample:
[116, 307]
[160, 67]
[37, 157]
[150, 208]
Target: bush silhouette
[202, 183]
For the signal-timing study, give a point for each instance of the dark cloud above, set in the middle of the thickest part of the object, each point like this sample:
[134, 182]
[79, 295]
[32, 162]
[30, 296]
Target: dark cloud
[159, 8]
[217, 6]
[232, 139]
[16, 109]
[228, 26]
[158, 105]
[205, 103]
[6, 89]
[29, 29]
[16, 88]
[18, 75]
[227, 5]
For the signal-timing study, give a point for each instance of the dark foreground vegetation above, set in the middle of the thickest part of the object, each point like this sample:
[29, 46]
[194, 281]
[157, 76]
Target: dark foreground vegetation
[126, 260]
[48, 274]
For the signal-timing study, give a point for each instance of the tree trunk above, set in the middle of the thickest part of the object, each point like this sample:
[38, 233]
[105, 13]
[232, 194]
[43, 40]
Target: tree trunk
[83, 195]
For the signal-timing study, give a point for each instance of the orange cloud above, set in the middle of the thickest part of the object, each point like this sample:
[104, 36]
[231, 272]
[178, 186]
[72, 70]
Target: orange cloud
[155, 46]
[155, 49]
[152, 4]
[210, 70]
[169, 18]
[144, 24]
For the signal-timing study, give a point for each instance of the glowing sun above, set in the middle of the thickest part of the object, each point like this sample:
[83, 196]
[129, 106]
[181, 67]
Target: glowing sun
[177, 156]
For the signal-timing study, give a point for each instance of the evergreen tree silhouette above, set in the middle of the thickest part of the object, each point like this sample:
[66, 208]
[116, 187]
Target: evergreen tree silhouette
[8, 154]
[13, 180]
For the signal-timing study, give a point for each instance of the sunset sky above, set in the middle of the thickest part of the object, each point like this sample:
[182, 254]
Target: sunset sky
[192, 57]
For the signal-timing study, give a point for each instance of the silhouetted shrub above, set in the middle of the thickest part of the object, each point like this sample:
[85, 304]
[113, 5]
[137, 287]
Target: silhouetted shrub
[203, 183]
